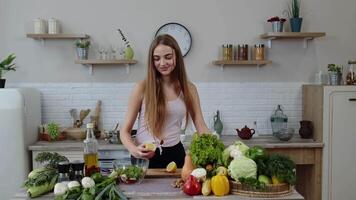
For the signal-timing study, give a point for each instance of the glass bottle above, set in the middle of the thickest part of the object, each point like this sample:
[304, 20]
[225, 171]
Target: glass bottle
[278, 120]
[91, 163]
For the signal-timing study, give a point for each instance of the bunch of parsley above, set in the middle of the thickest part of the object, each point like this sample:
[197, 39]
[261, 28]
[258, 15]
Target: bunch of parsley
[206, 149]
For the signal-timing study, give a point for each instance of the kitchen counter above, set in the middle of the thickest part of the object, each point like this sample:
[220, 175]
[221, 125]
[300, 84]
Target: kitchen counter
[306, 153]
[264, 141]
[160, 188]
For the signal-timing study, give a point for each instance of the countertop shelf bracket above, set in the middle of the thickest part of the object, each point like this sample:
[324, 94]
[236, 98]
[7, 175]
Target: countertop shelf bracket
[222, 67]
[269, 41]
[305, 42]
[127, 68]
[90, 68]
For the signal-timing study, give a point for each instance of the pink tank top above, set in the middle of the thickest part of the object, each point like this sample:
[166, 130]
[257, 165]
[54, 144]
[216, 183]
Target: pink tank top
[176, 111]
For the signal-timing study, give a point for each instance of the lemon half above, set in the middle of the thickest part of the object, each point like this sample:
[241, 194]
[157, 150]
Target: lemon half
[171, 167]
[150, 147]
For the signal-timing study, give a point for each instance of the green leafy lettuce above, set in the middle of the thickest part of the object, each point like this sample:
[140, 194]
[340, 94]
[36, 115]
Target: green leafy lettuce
[206, 149]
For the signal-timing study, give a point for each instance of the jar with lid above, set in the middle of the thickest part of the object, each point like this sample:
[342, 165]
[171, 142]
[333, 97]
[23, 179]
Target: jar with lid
[63, 171]
[259, 52]
[227, 51]
[53, 26]
[242, 52]
[77, 170]
[39, 26]
[278, 121]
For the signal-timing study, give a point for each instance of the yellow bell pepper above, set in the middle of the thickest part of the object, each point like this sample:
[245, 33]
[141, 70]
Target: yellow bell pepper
[220, 185]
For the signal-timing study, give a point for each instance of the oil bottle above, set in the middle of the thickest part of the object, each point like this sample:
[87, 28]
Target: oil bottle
[91, 163]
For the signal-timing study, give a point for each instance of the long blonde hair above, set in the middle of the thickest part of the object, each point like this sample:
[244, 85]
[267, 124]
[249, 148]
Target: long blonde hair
[155, 101]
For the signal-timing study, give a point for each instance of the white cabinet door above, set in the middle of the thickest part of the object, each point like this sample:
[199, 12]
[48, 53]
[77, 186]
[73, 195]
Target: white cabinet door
[343, 146]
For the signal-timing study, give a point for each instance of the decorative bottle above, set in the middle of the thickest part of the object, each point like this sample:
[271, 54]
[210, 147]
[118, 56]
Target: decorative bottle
[91, 163]
[218, 126]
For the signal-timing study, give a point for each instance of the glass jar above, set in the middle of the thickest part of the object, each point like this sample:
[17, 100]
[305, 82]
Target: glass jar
[242, 52]
[259, 52]
[63, 171]
[350, 76]
[77, 170]
[227, 52]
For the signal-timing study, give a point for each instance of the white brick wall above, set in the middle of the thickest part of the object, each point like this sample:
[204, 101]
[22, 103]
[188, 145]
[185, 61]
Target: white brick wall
[239, 103]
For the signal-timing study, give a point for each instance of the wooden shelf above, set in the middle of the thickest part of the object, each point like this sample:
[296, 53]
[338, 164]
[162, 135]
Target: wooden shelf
[105, 62]
[291, 35]
[92, 62]
[241, 62]
[56, 36]
[352, 62]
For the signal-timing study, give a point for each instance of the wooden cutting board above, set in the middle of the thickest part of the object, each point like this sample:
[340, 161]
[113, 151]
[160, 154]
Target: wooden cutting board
[161, 173]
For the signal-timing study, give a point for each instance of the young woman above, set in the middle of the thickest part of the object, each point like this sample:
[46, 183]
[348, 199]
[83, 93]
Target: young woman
[162, 101]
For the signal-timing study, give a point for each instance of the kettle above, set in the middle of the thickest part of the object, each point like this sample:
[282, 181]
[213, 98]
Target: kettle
[245, 133]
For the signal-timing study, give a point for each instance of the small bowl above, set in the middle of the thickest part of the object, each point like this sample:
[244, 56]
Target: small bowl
[285, 134]
[122, 166]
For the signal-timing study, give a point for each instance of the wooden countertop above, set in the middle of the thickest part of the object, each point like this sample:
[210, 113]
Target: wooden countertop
[160, 188]
[268, 142]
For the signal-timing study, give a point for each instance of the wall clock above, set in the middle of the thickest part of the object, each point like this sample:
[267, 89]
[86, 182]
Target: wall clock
[180, 33]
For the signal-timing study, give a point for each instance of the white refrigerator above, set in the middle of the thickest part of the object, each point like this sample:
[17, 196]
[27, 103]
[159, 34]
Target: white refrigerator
[20, 115]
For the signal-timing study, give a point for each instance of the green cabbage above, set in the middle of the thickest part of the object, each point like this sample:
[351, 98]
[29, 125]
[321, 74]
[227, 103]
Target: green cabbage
[242, 167]
[226, 158]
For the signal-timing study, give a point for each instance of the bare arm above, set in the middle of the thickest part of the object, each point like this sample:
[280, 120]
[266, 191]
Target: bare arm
[198, 120]
[134, 105]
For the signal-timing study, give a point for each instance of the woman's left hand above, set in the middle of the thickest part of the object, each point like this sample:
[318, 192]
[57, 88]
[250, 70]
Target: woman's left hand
[144, 153]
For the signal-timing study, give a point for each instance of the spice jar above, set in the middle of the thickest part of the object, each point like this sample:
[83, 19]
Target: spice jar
[53, 26]
[77, 170]
[259, 52]
[39, 26]
[242, 52]
[63, 171]
[227, 52]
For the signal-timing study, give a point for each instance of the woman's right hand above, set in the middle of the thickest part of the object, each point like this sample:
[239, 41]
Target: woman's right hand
[141, 152]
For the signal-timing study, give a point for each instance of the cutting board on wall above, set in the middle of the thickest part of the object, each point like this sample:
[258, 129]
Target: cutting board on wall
[160, 173]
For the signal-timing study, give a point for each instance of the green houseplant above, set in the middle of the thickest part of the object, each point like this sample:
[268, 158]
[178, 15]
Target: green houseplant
[82, 48]
[6, 65]
[335, 74]
[294, 16]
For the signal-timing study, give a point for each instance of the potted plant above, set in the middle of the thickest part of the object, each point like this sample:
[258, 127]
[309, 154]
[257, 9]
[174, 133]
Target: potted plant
[335, 74]
[294, 16]
[6, 65]
[129, 53]
[277, 23]
[51, 132]
[82, 47]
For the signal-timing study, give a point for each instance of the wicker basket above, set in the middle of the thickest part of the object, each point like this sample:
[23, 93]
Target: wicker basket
[270, 191]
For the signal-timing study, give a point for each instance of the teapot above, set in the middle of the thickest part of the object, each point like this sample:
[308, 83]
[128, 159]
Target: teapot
[245, 133]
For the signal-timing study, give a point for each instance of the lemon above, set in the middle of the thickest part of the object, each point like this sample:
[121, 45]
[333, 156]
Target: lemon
[150, 147]
[171, 167]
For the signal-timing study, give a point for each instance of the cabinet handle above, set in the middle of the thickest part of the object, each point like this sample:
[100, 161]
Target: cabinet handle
[352, 99]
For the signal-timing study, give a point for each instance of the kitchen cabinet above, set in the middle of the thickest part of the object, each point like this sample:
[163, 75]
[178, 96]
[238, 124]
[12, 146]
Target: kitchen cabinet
[333, 112]
[305, 36]
[73, 150]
